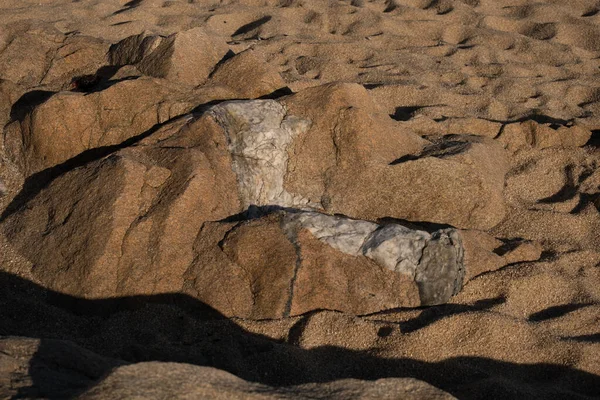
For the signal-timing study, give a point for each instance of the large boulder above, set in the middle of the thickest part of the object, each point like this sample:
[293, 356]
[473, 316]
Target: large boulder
[137, 222]
[33, 54]
[125, 224]
[292, 262]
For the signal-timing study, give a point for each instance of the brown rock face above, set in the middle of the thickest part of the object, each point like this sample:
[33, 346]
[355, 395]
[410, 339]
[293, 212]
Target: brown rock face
[249, 75]
[125, 224]
[139, 221]
[356, 162]
[186, 57]
[68, 123]
[292, 262]
[34, 54]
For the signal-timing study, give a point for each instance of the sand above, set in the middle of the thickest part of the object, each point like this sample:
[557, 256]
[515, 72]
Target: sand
[438, 67]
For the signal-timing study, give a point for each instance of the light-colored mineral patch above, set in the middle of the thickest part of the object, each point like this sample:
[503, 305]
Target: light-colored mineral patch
[259, 133]
[434, 261]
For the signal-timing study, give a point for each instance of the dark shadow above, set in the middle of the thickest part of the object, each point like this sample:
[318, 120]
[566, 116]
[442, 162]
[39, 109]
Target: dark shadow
[593, 338]
[591, 13]
[567, 192]
[230, 54]
[251, 26]
[276, 94]
[554, 123]
[98, 81]
[128, 6]
[594, 140]
[556, 311]
[448, 146]
[27, 103]
[83, 340]
[433, 314]
[405, 113]
[508, 245]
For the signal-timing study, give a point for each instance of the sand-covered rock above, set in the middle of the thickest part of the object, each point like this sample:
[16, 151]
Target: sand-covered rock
[39, 54]
[90, 376]
[155, 380]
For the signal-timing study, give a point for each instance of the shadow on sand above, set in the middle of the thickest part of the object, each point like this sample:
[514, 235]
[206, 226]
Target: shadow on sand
[83, 340]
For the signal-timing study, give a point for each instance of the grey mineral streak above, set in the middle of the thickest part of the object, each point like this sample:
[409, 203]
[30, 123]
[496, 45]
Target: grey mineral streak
[434, 261]
[259, 133]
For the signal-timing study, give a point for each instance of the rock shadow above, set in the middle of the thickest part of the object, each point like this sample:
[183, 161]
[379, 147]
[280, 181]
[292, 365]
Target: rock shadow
[83, 340]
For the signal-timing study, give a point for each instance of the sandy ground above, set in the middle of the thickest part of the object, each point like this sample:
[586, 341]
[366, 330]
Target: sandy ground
[528, 330]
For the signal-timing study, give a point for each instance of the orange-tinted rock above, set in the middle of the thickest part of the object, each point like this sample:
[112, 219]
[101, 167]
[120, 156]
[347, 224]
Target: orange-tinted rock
[186, 57]
[68, 123]
[530, 134]
[249, 75]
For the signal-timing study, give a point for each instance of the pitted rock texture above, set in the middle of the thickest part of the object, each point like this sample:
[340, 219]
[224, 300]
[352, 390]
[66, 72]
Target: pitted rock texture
[249, 74]
[143, 217]
[259, 133]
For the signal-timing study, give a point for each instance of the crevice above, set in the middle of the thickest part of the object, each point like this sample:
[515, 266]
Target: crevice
[291, 232]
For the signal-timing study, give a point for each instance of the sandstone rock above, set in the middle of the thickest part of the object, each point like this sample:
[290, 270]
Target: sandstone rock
[484, 253]
[186, 57]
[249, 75]
[26, 52]
[143, 217]
[154, 380]
[530, 134]
[356, 162]
[136, 214]
[39, 54]
[9, 94]
[68, 123]
[293, 262]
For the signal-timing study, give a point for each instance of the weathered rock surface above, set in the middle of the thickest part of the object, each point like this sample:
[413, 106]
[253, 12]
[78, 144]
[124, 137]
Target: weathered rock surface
[38, 54]
[138, 221]
[186, 57]
[293, 262]
[126, 223]
[530, 134]
[355, 162]
[68, 123]
[249, 75]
